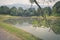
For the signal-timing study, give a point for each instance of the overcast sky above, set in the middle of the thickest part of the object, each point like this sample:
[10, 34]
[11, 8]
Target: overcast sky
[8, 2]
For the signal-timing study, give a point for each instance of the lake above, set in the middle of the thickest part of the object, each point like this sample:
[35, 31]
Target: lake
[46, 29]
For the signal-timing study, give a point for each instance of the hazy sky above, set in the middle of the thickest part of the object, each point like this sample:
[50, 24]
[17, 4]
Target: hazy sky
[8, 2]
[14, 2]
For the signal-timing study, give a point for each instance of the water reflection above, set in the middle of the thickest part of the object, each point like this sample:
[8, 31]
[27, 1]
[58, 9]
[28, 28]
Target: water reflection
[53, 24]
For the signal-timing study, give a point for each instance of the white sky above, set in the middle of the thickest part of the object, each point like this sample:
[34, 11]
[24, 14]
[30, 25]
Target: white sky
[2, 2]
[8, 2]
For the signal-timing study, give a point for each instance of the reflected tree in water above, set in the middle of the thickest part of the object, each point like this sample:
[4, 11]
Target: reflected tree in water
[53, 24]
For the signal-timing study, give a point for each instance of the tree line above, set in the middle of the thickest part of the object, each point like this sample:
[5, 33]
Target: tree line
[54, 11]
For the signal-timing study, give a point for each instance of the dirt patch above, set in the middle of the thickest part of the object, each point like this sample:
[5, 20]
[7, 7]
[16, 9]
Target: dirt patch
[4, 35]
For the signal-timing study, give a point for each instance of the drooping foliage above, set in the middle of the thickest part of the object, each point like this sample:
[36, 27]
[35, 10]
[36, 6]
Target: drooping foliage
[56, 8]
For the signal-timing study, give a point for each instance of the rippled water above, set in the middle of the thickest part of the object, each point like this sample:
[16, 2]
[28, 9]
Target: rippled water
[48, 29]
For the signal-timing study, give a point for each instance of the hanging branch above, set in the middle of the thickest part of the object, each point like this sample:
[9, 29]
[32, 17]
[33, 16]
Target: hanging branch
[37, 4]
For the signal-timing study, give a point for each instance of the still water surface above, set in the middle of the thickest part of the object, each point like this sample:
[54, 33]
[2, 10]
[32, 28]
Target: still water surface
[48, 29]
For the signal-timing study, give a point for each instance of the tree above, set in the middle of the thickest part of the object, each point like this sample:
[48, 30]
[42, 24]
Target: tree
[20, 11]
[47, 11]
[13, 11]
[36, 2]
[29, 12]
[4, 10]
[26, 13]
[56, 8]
[32, 11]
[38, 12]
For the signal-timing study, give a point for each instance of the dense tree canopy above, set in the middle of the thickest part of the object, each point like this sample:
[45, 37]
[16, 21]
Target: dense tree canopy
[20, 11]
[4, 10]
[13, 11]
[47, 11]
[55, 10]
[57, 6]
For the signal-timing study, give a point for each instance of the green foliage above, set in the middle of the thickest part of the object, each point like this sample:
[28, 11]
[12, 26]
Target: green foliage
[47, 11]
[13, 11]
[30, 12]
[56, 9]
[56, 26]
[20, 11]
[38, 13]
[4, 10]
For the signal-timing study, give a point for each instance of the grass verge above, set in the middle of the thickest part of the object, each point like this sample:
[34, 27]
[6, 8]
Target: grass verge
[18, 32]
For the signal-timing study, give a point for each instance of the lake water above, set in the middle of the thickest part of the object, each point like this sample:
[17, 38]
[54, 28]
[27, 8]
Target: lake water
[48, 29]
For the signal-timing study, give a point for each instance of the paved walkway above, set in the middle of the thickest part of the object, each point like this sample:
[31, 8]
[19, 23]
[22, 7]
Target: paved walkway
[7, 36]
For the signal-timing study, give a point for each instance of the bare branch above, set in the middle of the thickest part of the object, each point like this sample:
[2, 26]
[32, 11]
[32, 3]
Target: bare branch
[37, 4]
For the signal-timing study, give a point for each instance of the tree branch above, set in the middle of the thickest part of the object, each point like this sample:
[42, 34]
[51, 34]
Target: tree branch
[37, 4]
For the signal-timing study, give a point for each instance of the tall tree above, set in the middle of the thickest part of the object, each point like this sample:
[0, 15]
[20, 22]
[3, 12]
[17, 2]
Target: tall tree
[32, 11]
[4, 10]
[13, 11]
[56, 8]
[38, 12]
[20, 11]
[47, 11]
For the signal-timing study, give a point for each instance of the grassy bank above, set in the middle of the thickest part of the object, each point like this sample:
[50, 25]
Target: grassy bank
[15, 31]
[18, 32]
